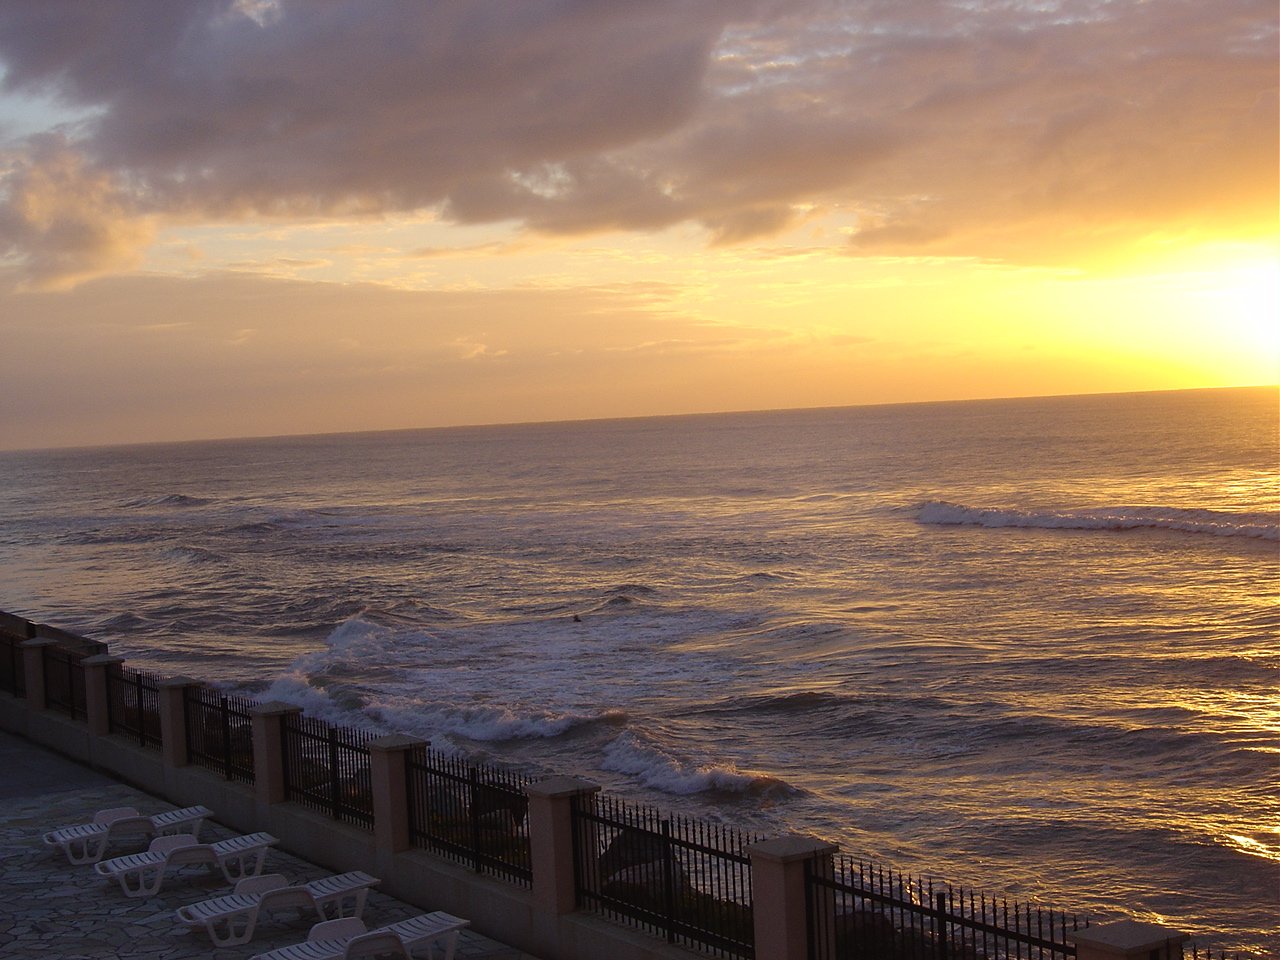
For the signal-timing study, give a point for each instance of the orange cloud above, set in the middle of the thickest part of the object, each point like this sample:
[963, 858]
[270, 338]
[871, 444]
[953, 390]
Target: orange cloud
[1038, 133]
[66, 222]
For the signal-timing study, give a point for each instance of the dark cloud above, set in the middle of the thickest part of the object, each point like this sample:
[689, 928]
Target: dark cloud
[988, 129]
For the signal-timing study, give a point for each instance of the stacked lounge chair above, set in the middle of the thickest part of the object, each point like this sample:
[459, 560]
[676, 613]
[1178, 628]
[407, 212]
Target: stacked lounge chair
[142, 874]
[232, 919]
[87, 842]
[348, 939]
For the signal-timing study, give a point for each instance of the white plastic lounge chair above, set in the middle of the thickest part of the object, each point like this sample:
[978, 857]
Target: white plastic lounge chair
[356, 943]
[343, 939]
[380, 943]
[232, 919]
[87, 842]
[141, 874]
[343, 929]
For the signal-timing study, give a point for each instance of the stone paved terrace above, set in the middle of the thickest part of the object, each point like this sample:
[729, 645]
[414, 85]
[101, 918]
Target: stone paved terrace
[52, 910]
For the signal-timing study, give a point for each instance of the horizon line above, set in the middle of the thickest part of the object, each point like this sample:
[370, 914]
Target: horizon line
[618, 419]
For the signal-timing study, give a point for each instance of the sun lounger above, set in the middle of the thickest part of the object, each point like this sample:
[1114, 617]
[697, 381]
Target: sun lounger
[232, 919]
[141, 874]
[345, 939]
[87, 842]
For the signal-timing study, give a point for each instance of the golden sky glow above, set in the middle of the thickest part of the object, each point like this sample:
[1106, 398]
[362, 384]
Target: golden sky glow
[239, 218]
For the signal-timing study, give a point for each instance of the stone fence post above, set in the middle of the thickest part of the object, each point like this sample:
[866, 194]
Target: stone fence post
[778, 891]
[173, 720]
[268, 750]
[33, 671]
[551, 841]
[388, 774]
[1128, 940]
[97, 695]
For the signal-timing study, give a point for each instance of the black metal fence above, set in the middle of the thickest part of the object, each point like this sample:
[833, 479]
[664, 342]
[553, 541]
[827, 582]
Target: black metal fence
[327, 768]
[133, 705]
[1198, 953]
[219, 732]
[858, 911]
[686, 880]
[476, 815]
[64, 682]
[13, 674]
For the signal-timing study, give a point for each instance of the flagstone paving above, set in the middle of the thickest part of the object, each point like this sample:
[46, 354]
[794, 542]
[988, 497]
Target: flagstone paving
[52, 910]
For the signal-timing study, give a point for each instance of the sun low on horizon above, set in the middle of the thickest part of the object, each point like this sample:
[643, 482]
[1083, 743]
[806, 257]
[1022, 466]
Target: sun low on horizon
[261, 217]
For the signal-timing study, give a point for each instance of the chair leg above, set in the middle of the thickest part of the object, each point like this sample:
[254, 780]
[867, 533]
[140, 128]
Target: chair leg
[143, 882]
[78, 851]
[233, 930]
[337, 908]
[93, 849]
[248, 864]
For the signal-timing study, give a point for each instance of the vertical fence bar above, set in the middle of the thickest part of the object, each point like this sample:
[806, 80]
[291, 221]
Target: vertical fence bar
[335, 801]
[224, 715]
[473, 815]
[668, 881]
[137, 697]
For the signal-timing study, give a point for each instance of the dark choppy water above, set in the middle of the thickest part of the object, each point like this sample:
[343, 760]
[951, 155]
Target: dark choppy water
[1030, 644]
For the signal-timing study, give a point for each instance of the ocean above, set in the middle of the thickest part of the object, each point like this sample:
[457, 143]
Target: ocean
[1030, 645]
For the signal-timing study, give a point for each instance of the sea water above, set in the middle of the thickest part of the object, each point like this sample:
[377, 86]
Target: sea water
[1029, 645]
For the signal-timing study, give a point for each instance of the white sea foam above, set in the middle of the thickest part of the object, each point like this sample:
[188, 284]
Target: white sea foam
[655, 768]
[1262, 526]
[315, 701]
[502, 722]
[450, 699]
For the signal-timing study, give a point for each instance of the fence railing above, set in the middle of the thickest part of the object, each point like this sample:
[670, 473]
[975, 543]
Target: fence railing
[859, 911]
[686, 880]
[133, 705]
[477, 815]
[13, 674]
[219, 732]
[64, 682]
[327, 768]
[1197, 953]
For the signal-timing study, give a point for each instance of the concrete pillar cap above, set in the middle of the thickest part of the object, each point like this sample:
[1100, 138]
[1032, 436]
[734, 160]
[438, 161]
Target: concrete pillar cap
[1127, 936]
[397, 741]
[274, 708]
[179, 682]
[554, 787]
[101, 660]
[787, 849]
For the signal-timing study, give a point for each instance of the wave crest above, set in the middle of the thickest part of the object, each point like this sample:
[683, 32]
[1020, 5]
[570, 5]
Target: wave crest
[657, 769]
[168, 500]
[1259, 526]
[489, 723]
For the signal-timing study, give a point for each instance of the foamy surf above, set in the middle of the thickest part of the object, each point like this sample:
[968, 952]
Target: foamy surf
[1259, 526]
[630, 754]
[490, 723]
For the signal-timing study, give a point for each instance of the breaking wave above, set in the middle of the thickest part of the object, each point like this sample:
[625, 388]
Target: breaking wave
[489, 723]
[1260, 526]
[657, 769]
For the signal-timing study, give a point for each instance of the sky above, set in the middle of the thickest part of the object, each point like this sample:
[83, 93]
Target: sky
[224, 218]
